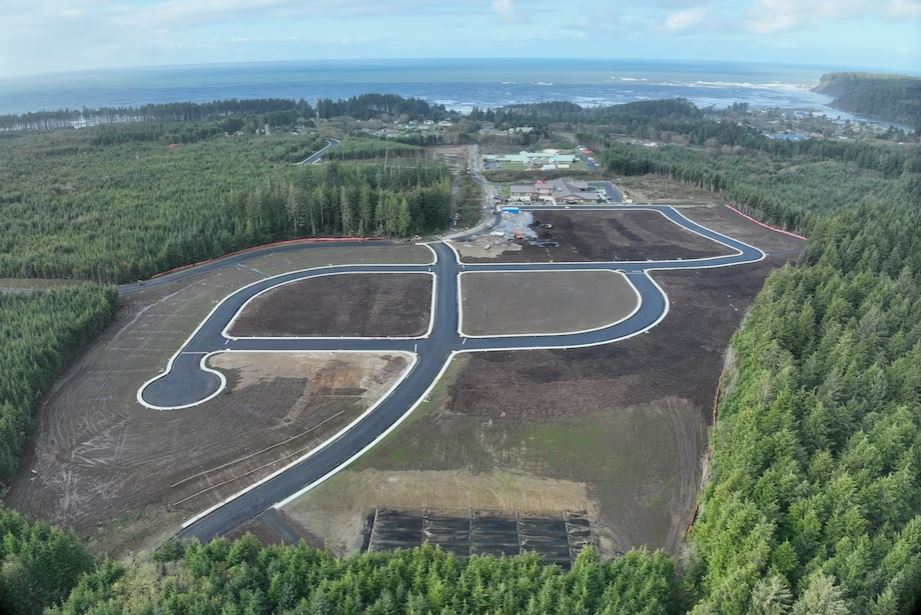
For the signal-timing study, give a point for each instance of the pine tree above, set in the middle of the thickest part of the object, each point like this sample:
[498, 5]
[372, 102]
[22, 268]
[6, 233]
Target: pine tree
[771, 596]
[822, 597]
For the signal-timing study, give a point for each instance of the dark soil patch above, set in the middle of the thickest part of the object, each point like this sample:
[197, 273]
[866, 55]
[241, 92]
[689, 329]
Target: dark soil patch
[681, 357]
[586, 236]
[723, 220]
[508, 303]
[353, 305]
[556, 539]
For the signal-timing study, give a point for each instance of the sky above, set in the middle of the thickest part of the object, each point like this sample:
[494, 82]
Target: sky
[41, 36]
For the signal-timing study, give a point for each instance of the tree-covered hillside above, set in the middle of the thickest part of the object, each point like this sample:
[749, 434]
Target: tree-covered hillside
[894, 98]
[117, 210]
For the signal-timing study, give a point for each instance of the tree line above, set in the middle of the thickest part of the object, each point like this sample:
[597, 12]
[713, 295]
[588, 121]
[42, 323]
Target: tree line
[244, 577]
[274, 111]
[570, 113]
[354, 200]
[152, 113]
[368, 106]
[785, 187]
[41, 331]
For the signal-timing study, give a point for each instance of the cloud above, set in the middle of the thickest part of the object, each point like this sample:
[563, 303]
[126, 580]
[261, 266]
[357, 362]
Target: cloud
[905, 8]
[607, 20]
[508, 10]
[679, 21]
[773, 16]
[189, 12]
[503, 7]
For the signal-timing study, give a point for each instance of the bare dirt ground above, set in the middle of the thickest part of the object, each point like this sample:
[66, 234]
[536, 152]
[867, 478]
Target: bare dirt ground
[455, 156]
[779, 247]
[353, 305]
[509, 303]
[102, 464]
[586, 236]
[277, 408]
[622, 426]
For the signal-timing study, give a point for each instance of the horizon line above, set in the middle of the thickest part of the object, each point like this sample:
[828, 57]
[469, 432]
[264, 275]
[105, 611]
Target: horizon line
[333, 61]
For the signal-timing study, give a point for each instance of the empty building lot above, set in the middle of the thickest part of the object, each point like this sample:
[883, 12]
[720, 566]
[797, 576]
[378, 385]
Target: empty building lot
[347, 305]
[593, 236]
[542, 302]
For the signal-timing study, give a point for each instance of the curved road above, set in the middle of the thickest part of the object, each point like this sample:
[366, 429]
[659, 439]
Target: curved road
[315, 157]
[188, 382]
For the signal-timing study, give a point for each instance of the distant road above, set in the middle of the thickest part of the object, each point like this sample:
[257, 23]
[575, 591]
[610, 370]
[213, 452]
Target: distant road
[315, 157]
[489, 193]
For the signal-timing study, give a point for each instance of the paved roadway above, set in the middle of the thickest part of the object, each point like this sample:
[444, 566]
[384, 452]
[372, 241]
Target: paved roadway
[613, 192]
[315, 157]
[187, 382]
[591, 166]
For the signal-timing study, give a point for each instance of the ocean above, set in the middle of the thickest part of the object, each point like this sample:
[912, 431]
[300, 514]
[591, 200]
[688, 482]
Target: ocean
[458, 84]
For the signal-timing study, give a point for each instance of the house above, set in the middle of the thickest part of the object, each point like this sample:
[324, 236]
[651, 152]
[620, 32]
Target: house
[555, 192]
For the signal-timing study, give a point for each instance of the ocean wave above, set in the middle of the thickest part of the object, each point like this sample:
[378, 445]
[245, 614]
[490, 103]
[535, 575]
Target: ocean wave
[773, 85]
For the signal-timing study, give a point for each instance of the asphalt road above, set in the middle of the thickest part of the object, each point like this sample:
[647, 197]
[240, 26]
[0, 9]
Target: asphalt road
[187, 383]
[591, 166]
[613, 193]
[315, 157]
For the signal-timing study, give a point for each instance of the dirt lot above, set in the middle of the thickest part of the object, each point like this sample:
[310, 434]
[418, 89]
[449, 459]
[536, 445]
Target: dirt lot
[353, 305]
[102, 464]
[509, 303]
[623, 426]
[604, 236]
[780, 247]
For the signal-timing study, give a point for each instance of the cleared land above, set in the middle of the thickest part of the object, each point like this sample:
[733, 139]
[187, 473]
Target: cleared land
[587, 236]
[351, 305]
[100, 463]
[660, 189]
[515, 302]
[618, 431]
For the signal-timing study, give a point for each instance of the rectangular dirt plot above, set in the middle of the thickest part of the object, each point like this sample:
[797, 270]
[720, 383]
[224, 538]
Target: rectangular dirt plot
[556, 538]
[605, 235]
[349, 305]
